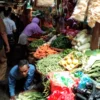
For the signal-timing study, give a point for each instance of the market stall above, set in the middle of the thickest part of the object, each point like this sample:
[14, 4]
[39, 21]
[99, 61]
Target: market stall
[67, 56]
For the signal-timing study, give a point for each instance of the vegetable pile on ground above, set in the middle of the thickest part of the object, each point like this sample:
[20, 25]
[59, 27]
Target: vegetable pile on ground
[35, 44]
[61, 42]
[31, 96]
[49, 64]
[94, 71]
[44, 51]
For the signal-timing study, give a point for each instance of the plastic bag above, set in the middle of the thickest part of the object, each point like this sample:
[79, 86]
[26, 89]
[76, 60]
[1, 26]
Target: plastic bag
[62, 94]
[62, 79]
[79, 12]
[83, 81]
[93, 14]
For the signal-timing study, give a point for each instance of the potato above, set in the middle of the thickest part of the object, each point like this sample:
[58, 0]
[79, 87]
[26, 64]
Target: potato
[75, 62]
[69, 61]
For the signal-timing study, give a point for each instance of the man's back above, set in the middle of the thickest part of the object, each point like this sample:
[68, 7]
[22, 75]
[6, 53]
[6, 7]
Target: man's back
[10, 25]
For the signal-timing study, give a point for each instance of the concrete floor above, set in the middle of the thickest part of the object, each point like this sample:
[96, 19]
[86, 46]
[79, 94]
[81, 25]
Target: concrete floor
[3, 93]
[12, 60]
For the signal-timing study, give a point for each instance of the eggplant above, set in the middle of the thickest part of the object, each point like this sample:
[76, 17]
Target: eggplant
[89, 85]
[81, 97]
[82, 91]
[97, 95]
[91, 97]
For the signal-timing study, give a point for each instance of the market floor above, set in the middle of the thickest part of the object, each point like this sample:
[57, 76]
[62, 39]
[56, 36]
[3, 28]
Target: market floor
[12, 60]
[3, 93]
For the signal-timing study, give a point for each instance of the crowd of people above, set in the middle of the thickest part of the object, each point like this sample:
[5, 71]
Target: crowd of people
[22, 72]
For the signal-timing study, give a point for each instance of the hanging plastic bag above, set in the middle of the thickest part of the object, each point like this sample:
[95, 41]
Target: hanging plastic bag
[79, 12]
[93, 14]
[83, 81]
[62, 79]
[63, 93]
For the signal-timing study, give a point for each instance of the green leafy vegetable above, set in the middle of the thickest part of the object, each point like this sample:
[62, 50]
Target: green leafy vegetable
[94, 71]
[92, 52]
[61, 42]
[35, 44]
[31, 95]
[66, 52]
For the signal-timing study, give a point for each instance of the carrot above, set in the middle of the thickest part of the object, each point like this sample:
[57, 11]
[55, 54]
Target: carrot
[44, 51]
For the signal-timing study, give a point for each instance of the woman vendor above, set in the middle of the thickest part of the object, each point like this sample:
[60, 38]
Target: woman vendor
[31, 29]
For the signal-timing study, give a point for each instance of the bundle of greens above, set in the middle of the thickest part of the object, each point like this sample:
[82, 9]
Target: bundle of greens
[35, 44]
[94, 72]
[61, 42]
[31, 96]
[49, 64]
[66, 52]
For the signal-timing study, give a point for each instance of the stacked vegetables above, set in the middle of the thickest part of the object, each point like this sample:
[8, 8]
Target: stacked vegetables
[82, 41]
[31, 96]
[61, 42]
[71, 61]
[44, 51]
[35, 44]
[94, 71]
[49, 64]
[66, 52]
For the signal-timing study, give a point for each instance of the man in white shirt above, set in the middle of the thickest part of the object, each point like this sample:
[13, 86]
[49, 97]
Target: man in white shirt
[10, 30]
[10, 25]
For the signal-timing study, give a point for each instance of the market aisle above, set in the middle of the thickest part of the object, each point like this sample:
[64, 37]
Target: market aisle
[3, 93]
[12, 60]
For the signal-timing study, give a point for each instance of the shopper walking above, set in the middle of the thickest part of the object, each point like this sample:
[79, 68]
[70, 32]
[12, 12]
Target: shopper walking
[3, 59]
[10, 26]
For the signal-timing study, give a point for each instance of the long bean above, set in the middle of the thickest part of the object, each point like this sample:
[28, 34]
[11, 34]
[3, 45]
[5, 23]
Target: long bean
[49, 64]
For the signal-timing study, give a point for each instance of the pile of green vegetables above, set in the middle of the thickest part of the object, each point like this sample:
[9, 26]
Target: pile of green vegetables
[61, 42]
[31, 96]
[46, 85]
[49, 64]
[92, 52]
[35, 44]
[66, 52]
[94, 72]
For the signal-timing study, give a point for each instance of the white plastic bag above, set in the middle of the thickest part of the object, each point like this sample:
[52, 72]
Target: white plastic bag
[93, 14]
[44, 3]
[80, 10]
